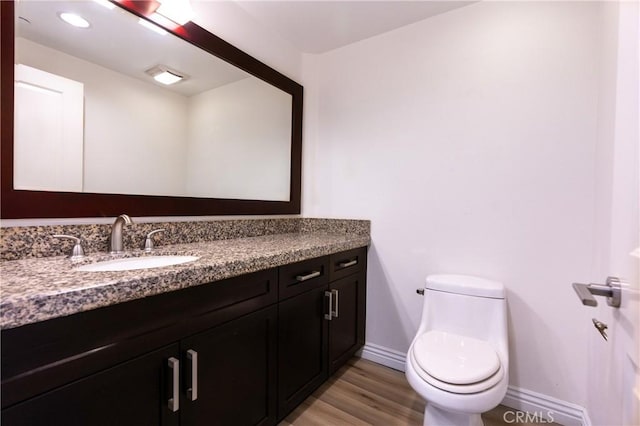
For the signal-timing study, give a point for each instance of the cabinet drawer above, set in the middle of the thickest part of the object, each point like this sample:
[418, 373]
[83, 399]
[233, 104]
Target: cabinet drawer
[302, 276]
[347, 262]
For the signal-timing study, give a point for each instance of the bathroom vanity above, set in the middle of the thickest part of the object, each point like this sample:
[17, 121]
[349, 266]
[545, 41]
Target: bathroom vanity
[246, 349]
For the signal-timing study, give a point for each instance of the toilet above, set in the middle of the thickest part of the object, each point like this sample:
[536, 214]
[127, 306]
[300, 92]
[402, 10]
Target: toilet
[458, 361]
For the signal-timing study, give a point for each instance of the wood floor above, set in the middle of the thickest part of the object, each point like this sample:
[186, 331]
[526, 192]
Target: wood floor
[366, 393]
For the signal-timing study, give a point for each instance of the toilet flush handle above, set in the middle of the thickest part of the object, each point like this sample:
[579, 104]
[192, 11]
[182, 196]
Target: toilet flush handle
[420, 291]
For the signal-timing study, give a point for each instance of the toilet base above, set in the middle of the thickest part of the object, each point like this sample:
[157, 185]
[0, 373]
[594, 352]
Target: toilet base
[435, 416]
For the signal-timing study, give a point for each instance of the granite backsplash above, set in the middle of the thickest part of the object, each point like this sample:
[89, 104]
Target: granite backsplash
[22, 242]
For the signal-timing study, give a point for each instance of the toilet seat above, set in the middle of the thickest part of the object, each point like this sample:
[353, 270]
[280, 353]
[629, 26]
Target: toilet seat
[455, 363]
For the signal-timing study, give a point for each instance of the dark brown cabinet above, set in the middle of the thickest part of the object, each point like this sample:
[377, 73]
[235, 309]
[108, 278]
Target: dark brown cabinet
[346, 330]
[133, 393]
[321, 322]
[242, 351]
[302, 345]
[348, 287]
[232, 380]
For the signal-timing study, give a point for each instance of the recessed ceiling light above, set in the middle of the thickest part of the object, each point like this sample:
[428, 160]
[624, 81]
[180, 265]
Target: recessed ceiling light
[73, 19]
[165, 75]
[152, 27]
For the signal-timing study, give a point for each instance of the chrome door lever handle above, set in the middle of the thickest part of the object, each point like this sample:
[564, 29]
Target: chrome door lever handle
[611, 290]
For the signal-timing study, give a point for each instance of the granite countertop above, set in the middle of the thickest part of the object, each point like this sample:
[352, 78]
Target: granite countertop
[33, 290]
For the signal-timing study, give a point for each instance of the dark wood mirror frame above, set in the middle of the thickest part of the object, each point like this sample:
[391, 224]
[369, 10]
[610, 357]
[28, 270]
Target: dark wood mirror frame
[48, 204]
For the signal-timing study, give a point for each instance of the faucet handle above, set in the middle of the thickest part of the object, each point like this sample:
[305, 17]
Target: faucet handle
[78, 251]
[148, 243]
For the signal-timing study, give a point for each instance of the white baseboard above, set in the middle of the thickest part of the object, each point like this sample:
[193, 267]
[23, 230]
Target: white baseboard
[385, 356]
[545, 406]
[537, 404]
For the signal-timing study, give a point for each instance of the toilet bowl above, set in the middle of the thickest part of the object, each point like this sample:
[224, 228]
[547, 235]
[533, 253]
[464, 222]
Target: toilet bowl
[458, 361]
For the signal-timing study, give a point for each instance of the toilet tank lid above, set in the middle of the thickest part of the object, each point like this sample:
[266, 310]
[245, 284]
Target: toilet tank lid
[467, 285]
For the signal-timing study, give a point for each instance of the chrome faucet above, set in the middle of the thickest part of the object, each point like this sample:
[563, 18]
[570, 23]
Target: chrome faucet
[116, 233]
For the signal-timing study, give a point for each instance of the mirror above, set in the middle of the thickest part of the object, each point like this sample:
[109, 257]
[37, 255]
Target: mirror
[223, 140]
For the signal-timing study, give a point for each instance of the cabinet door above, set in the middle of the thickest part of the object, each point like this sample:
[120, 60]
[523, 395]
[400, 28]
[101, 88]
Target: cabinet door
[133, 393]
[302, 347]
[233, 381]
[347, 325]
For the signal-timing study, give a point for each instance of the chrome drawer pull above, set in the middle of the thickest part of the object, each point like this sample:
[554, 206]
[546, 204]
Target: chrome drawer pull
[329, 295]
[347, 264]
[192, 392]
[334, 313]
[174, 401]
[301, 278]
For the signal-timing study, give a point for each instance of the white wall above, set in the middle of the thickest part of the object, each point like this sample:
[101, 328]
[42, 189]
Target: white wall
[469, 141]
[233, 24]
[125, 119]
[239, 142]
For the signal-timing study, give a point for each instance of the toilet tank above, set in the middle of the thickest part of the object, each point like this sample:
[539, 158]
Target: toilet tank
[466, 305]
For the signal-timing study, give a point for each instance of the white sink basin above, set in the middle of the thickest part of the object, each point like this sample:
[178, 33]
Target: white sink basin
[130, 263]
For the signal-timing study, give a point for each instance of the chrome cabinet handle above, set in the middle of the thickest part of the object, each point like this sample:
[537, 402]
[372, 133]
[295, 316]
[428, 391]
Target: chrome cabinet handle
[330, 296]
[347, 264]
[334, 313]
[301, 278]
[192, 391]
[148, 242]
[174, 401]
[78, 251]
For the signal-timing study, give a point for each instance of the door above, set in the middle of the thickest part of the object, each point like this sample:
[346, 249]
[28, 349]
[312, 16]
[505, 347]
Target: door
[229, 372]
[49, 131]
[136, 392]
[614, 380]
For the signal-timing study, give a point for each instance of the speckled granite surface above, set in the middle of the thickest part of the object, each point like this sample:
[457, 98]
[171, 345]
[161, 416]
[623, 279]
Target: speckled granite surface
[35, 289]
[37, 241]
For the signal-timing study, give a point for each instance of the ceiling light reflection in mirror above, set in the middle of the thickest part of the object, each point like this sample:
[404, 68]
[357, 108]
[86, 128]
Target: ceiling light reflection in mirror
[220, 133]
[74, 20]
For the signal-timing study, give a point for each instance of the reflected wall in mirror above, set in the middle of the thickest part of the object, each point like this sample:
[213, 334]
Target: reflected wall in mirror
[94, 128]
